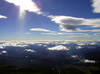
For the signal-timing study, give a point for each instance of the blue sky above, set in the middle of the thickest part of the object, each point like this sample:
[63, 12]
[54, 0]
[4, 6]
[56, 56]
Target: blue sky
[49, 19]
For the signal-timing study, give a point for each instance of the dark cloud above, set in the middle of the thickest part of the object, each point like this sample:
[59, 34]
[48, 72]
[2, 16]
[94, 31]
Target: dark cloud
[71, 21]
[97, 34]
[68, 28]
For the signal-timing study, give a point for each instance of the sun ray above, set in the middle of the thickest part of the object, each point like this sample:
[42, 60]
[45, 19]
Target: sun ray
[21, 13]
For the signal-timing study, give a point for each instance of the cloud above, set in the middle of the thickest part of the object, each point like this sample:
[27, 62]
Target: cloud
[89, 61]
[66, 20]
[86, 35]
[92, 30]
[13, 43]
[1, 16]
[74, 56]
[68, 33]
[46, 43]
[39, 44]
[79, 47]
[81, 35]
[68, 28]
[74, 36]
[27, 5]
[30, 50]
[49, 33]
[70, 24]
[43, 30]
[59, 47]
[97, 34]
[66, 23]
[39, 29]
[1, 47]
[4, 52]
[96, 6]
[95, 30]
[27, 33]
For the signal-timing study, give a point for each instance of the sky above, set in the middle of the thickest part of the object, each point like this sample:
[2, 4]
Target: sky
[49, 19]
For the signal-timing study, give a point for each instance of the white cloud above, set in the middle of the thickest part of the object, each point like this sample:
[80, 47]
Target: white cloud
[74, 36]
[79, 47]
[69, 33]
[49, 33]
[17, 43]
[28, 5]
[43, 30]
[39, 29]
[96, 6]
[25, 5]
[13, 43]
[1, 16]
[66, 20]
[27, 33]
[70, 24]
[89, 61]
[4, 52]
[93, 43]
[44, 45]
[1, 47]
[66, 23]
[59, 47]
[39, 44]
[30, 50]
[92, 30]
[74, 56]
[86, 35]
[95, 30]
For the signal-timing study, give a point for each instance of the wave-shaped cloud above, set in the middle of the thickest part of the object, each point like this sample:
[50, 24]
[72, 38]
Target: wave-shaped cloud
[70, 24]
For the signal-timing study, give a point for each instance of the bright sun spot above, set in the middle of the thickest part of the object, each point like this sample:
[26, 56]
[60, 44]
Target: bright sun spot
[28, 5]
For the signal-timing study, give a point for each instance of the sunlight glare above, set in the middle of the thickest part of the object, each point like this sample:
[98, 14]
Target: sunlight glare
[27, 5]
[24, 5]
